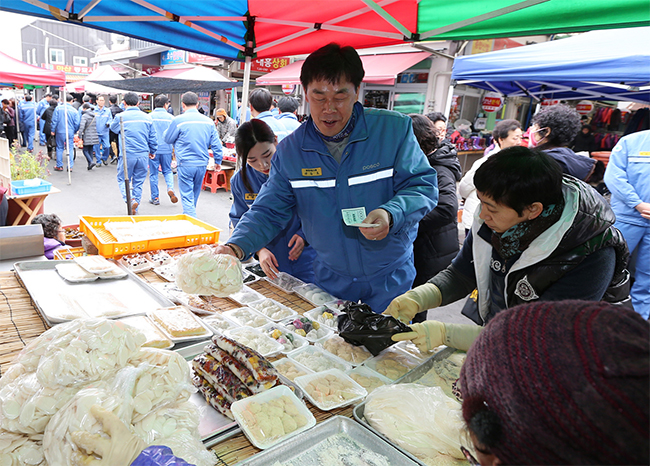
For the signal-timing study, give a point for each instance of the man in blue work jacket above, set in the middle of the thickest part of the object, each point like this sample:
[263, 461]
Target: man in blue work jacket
[27, 115]
[138, 142]
[192, 134]
[43, 105]
[341, 163]
[260, 102]
[59, 125]
[103, 120]
[163, 157]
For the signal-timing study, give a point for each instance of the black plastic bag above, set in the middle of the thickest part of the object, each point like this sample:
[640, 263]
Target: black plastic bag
[360, 326]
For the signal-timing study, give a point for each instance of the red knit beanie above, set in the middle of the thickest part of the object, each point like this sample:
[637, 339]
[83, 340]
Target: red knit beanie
[568, 382]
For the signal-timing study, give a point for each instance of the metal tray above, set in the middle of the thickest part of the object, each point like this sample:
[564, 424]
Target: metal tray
[297, 448]
[45, 286]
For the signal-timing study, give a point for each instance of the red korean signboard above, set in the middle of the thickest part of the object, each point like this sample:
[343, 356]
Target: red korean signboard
[266, 65]
[492, 102]
[584, 107]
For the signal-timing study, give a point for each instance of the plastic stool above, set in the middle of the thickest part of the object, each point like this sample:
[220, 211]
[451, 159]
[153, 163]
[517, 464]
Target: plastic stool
[215, 180]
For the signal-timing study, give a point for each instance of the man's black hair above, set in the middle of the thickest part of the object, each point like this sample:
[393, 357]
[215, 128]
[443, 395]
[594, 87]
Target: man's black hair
[112, 99]
[518, 177]
[190, 99]
[564, 123]
[288, 105]
[48, 94]
[69, 98]
[28, 98]
[131, 99]
[333, 63]
[503, 127]
[260, 99]
[160, 101]
[436, 116]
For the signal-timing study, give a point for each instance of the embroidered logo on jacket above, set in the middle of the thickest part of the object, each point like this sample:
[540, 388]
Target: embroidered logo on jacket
[525, 290]
[312, 171]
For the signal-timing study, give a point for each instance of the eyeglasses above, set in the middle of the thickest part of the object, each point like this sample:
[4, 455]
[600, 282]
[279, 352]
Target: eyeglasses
[466, 439]
[470, 458]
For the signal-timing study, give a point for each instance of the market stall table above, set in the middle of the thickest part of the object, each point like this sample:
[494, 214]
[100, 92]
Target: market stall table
[25, 201]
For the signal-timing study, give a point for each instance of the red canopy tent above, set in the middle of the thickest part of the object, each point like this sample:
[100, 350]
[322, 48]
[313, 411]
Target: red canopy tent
[15, 73]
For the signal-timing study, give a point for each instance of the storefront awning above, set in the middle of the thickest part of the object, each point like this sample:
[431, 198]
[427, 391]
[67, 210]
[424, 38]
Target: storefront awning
[380, 69]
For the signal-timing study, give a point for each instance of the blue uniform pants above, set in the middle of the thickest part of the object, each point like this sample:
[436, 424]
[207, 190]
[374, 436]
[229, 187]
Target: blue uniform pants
[60, 147]
[137, 167]
[376, 291]
[190, 182]
[164, 161]
[42, 136]
[638, 239]
[103, 149]
[28, 136]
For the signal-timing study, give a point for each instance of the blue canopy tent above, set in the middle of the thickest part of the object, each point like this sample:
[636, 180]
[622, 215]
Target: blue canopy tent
[597, 65]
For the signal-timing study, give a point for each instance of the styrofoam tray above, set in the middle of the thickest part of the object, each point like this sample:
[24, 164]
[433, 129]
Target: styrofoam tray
[282, 365]
[357, 391]
[66, 269]
[248, 422]
[318, 355]
[207, 334]
[367, 372]
[219, 323]
[309, 290]
[250, 332]
[246, 296]
[402, 363]
[298, 341]
[236, 316]
[289, 322]
[263, 304]
[315, 314]
[358, 354]
[285, 282]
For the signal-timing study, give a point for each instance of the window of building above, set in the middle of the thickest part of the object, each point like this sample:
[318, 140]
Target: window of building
[80, 61]
[57, 57]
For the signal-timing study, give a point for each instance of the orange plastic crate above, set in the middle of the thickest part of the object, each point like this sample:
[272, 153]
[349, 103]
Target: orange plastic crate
[108, 246]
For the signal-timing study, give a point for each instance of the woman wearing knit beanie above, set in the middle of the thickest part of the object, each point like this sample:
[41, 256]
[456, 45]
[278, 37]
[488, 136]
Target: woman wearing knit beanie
[560, 383]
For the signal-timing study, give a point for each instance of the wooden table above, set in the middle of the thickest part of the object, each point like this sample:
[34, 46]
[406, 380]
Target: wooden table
[20, 323]
[23, 201]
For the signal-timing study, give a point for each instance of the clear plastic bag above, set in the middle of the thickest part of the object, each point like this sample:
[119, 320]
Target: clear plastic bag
[20, 449]
[202, 272]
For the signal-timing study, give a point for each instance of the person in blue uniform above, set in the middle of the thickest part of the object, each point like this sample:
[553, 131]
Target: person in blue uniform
[288, 252]
[103, 120]
[43, 105]
[27, 116]
[261, 101]
[627, 176]
[192, 134]
[163, 157]
[287, 116]
[59, 125]
[140, 141]
[358, 180]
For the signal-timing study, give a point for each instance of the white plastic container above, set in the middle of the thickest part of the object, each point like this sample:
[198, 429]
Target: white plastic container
[314, 295]
[177, 339]
[368, 379]
[246, 411]
[289, 340]
[317, 359]
[320, 315]
[285, 282]
[290, 368]
[246, 296]
[154, 335]
[273, 309]
[219, 324]
[337, 304]
[348, 393]
[247, 317]
[256, 340]
[353, 355]
[392, 363]
[313, 336]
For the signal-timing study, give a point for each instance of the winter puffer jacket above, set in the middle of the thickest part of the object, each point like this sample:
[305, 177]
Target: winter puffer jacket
[88, 129]
[437, 241]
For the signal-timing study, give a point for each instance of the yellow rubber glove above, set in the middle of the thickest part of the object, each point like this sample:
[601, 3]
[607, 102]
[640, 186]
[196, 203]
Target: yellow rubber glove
[430, 334]
[418, 299]
[121, 449]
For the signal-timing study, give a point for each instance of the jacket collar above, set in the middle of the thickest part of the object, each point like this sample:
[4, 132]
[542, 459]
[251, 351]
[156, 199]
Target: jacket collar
[311, 140]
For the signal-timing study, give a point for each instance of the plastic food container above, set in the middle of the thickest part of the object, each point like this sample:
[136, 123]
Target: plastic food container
[354, 355]
[136, 262]
[248, 277]
[317, 359]
[247, 317]
[290, 368]
[207, 333]
[410, 348]
[368, 379]
[285, 282]
[303, 324]
[325, 316]
[285, 416]
[256, 268]
[219, 324]
[33, 186]
[289, 340]
[330, 389]
[256, 340]
[314, 295]
[166, 272]
[273, 309]
[338, 304]
[246, 296]
[155, 337]
[392, 363]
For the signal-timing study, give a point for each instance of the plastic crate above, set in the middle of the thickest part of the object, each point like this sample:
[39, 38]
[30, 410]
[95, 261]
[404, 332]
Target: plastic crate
[108, 246]
[19, 188]
[68, 253]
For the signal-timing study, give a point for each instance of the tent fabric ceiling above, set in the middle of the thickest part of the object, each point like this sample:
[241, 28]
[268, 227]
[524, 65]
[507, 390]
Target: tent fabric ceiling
[290, 27]
[17, 73]
[152, 85]
[598, 65]
[380, 69]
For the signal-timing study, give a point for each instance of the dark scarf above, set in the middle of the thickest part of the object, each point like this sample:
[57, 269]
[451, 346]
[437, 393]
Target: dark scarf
[344, 133]
[517, 238]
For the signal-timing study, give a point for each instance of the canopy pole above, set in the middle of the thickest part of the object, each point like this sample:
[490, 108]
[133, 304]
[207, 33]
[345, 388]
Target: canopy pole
[245, 89]
[450, 97]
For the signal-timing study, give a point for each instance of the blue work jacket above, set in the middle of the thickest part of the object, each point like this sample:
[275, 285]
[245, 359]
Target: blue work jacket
[382, 166]
[278, 128]
[27, 114]
[289, 120]
[279, 246]
[161, 121]
[58, 119]
[103, 120]
[41, 107]
[192, 134]
[139, 132]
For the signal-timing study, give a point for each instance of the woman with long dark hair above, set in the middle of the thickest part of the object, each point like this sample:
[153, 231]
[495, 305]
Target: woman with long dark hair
[289, 252]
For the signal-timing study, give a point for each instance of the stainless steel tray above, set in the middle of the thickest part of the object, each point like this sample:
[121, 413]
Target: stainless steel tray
[51, 293]
[297, 448]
